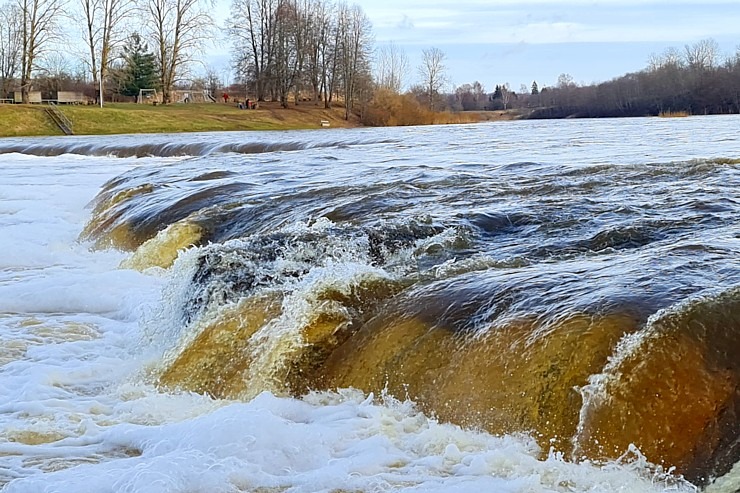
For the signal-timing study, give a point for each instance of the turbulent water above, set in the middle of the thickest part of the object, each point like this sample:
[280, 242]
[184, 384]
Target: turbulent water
[515, 307]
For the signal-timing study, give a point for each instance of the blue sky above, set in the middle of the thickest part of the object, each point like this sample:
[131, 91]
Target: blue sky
[518, 41]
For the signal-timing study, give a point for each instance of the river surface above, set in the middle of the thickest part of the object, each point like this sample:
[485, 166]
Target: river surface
[548, 306]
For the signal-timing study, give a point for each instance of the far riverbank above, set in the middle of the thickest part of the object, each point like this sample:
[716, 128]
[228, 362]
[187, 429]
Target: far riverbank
[126, 118]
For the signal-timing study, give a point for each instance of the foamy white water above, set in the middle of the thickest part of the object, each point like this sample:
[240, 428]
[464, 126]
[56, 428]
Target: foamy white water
[78, 415]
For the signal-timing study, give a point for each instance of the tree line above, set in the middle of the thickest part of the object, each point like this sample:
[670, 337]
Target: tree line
[318, 51]
[34, 38]
[307, 49]
[280, 49]
[696, 80]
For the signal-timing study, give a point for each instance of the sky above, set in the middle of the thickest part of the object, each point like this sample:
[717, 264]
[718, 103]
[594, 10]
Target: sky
[521, 41]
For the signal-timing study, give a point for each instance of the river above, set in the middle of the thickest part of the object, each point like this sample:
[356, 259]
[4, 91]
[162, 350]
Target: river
[549, 306]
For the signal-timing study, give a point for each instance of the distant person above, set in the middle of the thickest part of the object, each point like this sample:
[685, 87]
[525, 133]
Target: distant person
[246, 105]
[226, 98]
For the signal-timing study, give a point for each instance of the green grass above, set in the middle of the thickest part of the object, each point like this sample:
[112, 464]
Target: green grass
[122, 118]
[16, 120]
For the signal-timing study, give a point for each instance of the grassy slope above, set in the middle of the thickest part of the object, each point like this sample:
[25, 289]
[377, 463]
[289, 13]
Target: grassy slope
[25, 120]
[17, 120]
[123, 118]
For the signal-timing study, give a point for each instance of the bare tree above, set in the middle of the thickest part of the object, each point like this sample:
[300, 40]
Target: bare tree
[471, 96]
[289, 37]
[252, 28]
[290, 45]
[392, 68]
[565, 81]
[56, 72]
[433, 73]
[566, 85]
[317, 46]
[212, 81]
[11, 45]
[303, 24]
[733, 61]
[331, 56]
[179, 29]
[39, 27]
[671, 58]
[702, 55]
[103, 22]
[505, 94]
[91, 11]
[354, 53]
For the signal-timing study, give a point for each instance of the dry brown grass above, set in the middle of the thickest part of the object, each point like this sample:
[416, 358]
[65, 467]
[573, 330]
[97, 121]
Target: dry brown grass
[674, 114]
[389, 109]
[447, 117]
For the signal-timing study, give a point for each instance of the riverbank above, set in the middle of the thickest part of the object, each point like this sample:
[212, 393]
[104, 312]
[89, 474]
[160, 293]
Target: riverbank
[126, 118]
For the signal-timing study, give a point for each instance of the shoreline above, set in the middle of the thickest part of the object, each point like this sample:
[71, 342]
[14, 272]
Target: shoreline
[129, 118]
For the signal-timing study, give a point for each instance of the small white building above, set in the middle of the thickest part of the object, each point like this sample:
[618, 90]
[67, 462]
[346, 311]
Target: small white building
[71, 97]
[33, 97]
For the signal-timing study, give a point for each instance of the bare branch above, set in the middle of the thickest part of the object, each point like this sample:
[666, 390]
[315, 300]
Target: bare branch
[433, 73]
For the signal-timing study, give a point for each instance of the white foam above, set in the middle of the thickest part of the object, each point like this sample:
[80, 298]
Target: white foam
[326, 442]
[729, 483]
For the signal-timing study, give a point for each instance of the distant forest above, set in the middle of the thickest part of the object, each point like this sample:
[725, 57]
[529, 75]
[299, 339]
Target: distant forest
[695, 80]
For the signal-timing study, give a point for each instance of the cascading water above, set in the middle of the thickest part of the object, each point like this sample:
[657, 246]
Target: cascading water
[290, 318]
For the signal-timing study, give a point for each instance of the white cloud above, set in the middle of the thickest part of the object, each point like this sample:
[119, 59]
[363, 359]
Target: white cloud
[574, 21]
[406, 23]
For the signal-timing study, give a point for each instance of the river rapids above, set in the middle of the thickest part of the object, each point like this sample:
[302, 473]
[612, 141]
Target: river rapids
[516, 306]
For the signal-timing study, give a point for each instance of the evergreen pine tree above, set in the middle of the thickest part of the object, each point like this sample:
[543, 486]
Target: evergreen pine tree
[535, 88]
[139, 70]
